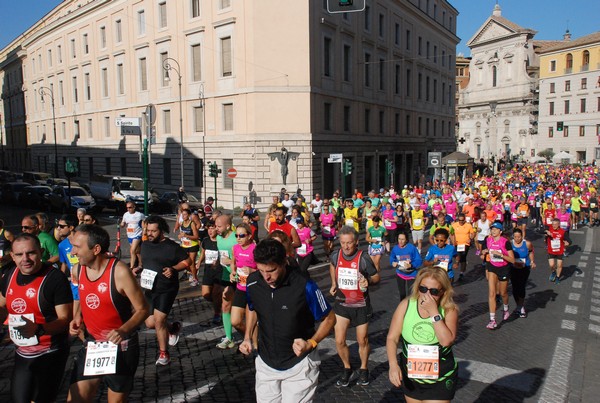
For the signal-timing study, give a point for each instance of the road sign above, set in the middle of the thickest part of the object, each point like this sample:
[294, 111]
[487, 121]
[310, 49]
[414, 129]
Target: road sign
[345, 6]
[131, 131]
[231, 173]
[335, 158]
[434, 160]
[128, 122]
[153, 135]
[150, 115]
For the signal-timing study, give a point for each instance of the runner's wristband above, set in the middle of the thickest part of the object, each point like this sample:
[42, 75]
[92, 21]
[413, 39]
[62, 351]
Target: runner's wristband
[313, 343]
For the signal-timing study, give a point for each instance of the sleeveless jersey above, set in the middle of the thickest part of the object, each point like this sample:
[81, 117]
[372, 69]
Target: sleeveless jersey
[498, 246]
[102, 307]
[328, 224]
[185, 241]
[347, 273]
[388, 220]
[522, 253]
[243, 258]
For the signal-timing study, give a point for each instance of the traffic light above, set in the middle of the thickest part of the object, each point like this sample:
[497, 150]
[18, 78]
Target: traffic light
[389, 167]
[347, 167]
[345, 6]
[559, 126]
[213, 169]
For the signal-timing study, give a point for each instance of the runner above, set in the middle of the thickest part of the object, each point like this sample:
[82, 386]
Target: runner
[80, 214]
[594, 218]
[133, 221]
[225, 241]
[287, 365]
[520, 270]
[406, 260]
[38, 302]
[316, 206]
[242, 264]
[482, 228]
[441, 223]
[31, 225]
[498, 254]
[211, 280]
[305, 253]
[427, 325]
[163, 259]
[281, 224]
[375, 237]
[113, 309]
[418, 222]
[523, 213]
[328, 224]
[390, 223]
[188, 236]
[441, 254]
[556, 242]
[351, 274]
[208, 207]
[69, 263]
[463, 235]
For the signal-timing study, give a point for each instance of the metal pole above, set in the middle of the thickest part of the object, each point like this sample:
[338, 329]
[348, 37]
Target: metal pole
[232, 196]
[216, 201]
[145, 173]
[203, 105]
[2, 142]
[48, 91]
[180, 130]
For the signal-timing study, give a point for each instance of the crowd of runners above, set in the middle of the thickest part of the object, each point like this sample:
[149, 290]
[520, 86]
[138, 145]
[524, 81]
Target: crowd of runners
[65, 284]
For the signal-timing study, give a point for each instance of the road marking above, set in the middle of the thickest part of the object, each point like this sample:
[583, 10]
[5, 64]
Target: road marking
[574, 296]
[577, 284]
[575, 232]
[595, 318]
[572, 309]
[594, 328]
[582, 265]
[596, 293]
[318, 266]
[589, 241]
[595, 309]
[584, 257]
[556, 383]
[580, 273]
[568, 324]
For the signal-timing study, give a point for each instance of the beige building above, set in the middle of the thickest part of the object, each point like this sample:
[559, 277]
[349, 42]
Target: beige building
[570, 98]
[256, 78]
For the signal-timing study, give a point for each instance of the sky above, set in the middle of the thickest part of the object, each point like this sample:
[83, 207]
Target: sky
[549, 17]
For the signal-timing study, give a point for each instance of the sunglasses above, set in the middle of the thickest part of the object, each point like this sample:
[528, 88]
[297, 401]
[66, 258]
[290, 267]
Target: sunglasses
[88, 220]
[433, 291]
[28, 227]
[62, 225]
[241, 235]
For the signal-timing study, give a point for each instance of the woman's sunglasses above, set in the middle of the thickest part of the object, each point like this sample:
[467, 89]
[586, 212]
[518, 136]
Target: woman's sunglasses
[433, 291]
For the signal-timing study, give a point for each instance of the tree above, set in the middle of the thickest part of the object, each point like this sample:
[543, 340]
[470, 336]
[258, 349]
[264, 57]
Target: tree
[547, 153]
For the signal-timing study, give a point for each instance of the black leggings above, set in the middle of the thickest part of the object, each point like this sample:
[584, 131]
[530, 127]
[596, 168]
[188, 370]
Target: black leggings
[404, 286]
[518, 279]
[38, 379]
[304, 262]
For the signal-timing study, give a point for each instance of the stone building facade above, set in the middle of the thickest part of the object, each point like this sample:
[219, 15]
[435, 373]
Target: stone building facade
[256, 77]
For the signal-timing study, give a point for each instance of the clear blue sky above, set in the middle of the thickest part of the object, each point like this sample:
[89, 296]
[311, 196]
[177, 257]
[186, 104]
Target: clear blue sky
[549, 17]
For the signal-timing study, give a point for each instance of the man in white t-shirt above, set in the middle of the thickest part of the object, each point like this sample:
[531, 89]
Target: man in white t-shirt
[288, 203]
[132, 221]
[316, 205]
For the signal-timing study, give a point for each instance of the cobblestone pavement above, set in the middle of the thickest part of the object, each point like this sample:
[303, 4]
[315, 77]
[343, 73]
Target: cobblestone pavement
[551, 356]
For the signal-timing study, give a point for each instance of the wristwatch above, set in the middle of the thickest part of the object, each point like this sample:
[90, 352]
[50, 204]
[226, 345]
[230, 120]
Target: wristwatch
[436, 318]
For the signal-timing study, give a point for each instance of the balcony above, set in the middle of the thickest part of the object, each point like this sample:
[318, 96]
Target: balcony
[568, 70]
[585, 67]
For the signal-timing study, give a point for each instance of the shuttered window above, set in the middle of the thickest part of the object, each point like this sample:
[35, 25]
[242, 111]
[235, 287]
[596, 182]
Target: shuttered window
[226, 56]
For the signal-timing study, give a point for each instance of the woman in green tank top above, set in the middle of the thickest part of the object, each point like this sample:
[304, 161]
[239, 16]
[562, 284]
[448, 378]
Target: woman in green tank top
[426, 324]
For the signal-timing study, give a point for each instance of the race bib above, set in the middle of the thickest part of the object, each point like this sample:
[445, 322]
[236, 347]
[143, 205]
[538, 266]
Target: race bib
[593, 205]
[301, 249]
[210, 256]
[417, 222]
[564, 224]
[387, 223]
[443, 265]
[423, 362]
[499, 217]
[460, 248]
[523, 213]
[327, 229]
[185, 242]
[404, 265]
[555, 245]
[347, 278]
[349, 222]
[242, 276]
[223, 254]
[522, 260]
[468, 219]
[494, 254]
[16, 336]
[549, 221]
[376, 239]
[147, 279]
[131, 228]
[100, 358]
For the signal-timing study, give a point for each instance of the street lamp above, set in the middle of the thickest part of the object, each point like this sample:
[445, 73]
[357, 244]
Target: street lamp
[203, 106]
[167, 65]
[43, 92]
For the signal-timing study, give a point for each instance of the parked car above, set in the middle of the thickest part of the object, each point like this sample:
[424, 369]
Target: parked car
[168, 203]
[11, 191]
[35, 197]
[60, 182]
[36, 178]
[7, 176]
[59, 199]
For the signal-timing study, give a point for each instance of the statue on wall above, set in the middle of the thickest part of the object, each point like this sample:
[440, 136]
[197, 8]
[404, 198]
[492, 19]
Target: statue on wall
[284, 157]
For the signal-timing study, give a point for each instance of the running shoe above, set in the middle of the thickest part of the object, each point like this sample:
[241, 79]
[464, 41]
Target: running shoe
[225, 344]
[492, 325]
[194, 283]
[363, 377]
[506, 315]
[477, 252]
[552, 276]
[557, 282]
[163, 358]
[523, 313]
[345, 377]
[174, 333]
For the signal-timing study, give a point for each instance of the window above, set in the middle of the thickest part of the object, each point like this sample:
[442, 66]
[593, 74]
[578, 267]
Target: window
[73, 50]
[420, 46]
[227, 117]
[90, 129]
[397, 34]
[198, 172]
[61, 92]
[141, 22]
[75, 95]
[407, 124]
[120, 80]
[162, 14]
[381, 122]
[86, 46]
[118, 32]
[104, 79]
[102, 37]
[381, 25]
[565, 131]
[494, 76]
[327, 57]
[397, 80]
[568, 85]
[567, 107]
[427, 89]
[164, 73]
[397, 124]
[88, 91]
[347, 57]
[408, 82]
[167, 121]
[143, 74]
[367, 120]
[585, 60]
[59, 53]
[346, 118]
[63, 130]
[427, 50]
[569, 62]
[552, 88]
[435, 54]
[581, 131]
[381, 74]
[226, 57]
[167, 171]
[367, 18]
[582, 105]
[420, 126]
[443, 92]
[195, 8]
[198, 119]
[196, 65]
[327, 116]
[584, 83]
[551, 108]
[444, 58]
[224, 4]
[434, 91]
[227, 181]
[367, 70]
[107, 126]
[50, 57]
[420, 86]
[552, 65]
[408, 39]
